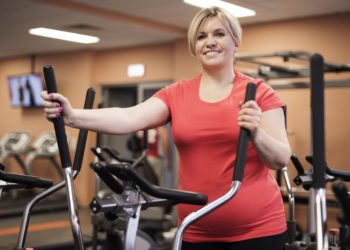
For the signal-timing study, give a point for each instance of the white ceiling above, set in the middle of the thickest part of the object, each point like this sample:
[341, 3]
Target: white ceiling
[125, 23]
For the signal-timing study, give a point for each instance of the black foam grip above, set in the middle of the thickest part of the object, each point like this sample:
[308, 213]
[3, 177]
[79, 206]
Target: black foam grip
[317, 121]
[145, 139]
[58, 122]
[123, 171]
[81, 143]
[297, 165]
[115, 185]
[27, 180]
[97, 152]
[243, 138]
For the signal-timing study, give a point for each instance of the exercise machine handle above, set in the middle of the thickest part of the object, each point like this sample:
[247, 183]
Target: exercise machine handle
[79, 152]
[107, 177]
[58, 122]
[115, 155]
[145, 139]
[164, 193]
[345, 176]
[317, 119]
[243, 139]
[297, 164]
[27, 180]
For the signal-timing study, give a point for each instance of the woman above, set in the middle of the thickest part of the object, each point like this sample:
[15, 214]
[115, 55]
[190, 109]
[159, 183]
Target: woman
[206, 114]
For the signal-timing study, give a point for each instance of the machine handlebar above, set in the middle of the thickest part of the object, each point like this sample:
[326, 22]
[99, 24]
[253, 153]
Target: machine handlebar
[81, 143]
[125, 172]
[243, 139]
[27, 181]
[58, 122]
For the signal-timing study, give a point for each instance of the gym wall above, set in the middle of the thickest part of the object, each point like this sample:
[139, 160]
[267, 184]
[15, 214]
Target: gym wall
[76, 71]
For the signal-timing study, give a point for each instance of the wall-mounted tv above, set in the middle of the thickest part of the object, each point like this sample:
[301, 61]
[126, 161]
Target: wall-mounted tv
[25, 90]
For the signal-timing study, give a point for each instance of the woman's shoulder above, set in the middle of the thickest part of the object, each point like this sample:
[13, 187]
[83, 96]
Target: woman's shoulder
[184, 84]
[244, 78]
[187, 82]
[180, 88]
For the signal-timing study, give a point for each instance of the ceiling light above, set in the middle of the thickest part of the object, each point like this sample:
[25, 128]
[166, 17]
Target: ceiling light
[63, 35]
[236, 10]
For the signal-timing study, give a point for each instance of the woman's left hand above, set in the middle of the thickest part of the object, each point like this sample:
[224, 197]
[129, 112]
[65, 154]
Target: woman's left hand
[249, 117]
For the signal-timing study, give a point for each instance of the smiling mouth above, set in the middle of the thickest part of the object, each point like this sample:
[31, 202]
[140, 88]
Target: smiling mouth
[211, 52]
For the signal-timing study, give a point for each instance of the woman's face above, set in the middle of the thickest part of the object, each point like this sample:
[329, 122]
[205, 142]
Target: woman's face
[214, 45]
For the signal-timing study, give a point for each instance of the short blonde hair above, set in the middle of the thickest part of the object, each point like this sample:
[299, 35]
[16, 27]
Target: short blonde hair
[229, 21]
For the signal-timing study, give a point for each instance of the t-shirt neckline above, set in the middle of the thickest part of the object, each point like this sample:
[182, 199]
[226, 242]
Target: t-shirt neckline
[219, 101]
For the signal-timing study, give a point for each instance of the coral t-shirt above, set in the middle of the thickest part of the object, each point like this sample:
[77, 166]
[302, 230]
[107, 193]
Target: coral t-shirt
[206, 136]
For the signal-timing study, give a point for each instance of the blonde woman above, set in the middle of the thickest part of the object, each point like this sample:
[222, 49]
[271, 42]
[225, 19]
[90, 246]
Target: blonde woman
[206, 113]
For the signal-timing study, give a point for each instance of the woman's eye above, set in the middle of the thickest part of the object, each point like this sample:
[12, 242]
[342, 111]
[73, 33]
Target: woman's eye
[220, 34]
[200, 37]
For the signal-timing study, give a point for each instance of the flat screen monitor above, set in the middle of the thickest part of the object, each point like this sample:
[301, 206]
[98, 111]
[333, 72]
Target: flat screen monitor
[25, 90]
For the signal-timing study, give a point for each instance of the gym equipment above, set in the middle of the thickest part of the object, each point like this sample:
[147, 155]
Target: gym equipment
[69, 172]
[133, 194]
[291, 222]
[12, 181]
[137, 193]
[269, 69]
[293, 65]
[45, 146]
[342, 194]
[318, 193]
[317, 182]
[13, 144]
[152, 223]
[9, 181]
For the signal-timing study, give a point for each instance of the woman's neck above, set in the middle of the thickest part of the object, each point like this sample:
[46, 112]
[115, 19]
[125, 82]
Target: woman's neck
[222, 76]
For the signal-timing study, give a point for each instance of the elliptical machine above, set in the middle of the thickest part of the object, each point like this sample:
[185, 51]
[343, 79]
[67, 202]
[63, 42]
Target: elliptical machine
[70, 172]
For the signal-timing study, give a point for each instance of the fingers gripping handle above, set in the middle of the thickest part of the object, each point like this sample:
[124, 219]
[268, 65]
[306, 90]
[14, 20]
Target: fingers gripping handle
[58, 122]
[243, 139]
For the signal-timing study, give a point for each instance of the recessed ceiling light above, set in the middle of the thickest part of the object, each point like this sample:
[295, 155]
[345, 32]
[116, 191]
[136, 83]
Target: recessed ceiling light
[64, 35]
[236, 10]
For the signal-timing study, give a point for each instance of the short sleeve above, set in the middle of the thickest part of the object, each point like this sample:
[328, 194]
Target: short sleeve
[163, 94]
[267, 98]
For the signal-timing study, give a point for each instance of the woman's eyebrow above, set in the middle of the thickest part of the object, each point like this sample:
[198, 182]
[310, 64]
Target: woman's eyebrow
[220, 29]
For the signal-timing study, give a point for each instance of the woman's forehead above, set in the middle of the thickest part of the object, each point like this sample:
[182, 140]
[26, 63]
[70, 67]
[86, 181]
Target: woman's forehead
[212, 23]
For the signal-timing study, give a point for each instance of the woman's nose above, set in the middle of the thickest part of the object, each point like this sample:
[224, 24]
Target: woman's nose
[211, 41]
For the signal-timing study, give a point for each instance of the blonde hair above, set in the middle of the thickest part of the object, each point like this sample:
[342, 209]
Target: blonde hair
[229, 21]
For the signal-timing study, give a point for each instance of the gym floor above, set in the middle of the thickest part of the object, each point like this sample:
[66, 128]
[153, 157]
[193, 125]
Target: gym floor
[47, 230]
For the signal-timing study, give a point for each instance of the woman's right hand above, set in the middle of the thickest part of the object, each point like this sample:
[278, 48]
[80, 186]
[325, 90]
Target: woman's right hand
[55, 105]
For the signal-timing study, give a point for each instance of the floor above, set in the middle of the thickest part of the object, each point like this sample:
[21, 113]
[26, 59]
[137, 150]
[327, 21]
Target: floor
[46, 229]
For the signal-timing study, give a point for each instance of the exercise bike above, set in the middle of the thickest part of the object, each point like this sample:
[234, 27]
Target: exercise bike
[152, 222]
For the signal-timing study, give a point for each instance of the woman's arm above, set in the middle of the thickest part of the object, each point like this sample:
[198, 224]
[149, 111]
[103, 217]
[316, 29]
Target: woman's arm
[268, 134]
[150, 113]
